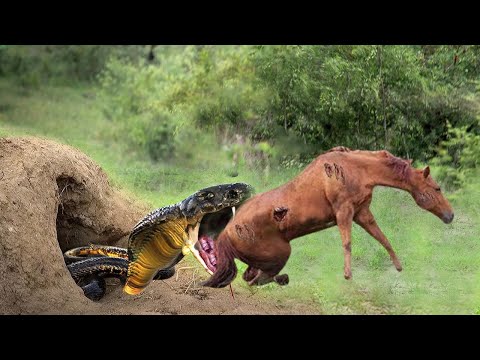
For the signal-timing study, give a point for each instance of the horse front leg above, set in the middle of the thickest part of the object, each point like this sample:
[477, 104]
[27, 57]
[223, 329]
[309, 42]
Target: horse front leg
[365, 219]
[253, 275]
[344, 221]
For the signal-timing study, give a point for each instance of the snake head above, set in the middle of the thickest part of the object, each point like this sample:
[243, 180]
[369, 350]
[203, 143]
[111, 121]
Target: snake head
[207, 212]
[215, 198]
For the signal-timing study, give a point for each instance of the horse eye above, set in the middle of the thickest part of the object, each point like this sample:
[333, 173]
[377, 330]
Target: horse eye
[438, 189]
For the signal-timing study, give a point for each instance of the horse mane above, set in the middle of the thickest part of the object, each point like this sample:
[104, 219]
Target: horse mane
[400, 167]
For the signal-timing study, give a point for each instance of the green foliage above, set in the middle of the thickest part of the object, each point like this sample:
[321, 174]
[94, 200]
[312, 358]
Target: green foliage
[457, 157]
[296, 161]
[195, 87]
[160, 142]
[61, 64]
[368, 97]
[129, 99]
[300, 99]
[396, 97]
[457, 66]
[222, 90]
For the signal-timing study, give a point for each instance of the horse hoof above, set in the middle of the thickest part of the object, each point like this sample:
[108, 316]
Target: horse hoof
[347, 276]
[397, 265]
[281, 279]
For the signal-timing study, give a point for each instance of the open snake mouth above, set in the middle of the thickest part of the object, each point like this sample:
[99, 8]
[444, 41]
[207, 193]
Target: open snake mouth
[211, 226]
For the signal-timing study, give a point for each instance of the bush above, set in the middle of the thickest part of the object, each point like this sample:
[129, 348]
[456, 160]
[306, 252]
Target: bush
[458, 157]
[210, 88]
[160, 141]
[367, 97]
[61, 64]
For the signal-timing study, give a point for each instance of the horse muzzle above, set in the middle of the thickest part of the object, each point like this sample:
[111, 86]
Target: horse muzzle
[447, 217]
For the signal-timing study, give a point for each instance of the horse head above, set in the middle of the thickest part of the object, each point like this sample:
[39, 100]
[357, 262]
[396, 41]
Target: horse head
[428, 195]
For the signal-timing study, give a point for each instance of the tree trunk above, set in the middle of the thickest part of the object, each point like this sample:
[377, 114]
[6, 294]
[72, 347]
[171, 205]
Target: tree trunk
[358, 132]
[382, 91]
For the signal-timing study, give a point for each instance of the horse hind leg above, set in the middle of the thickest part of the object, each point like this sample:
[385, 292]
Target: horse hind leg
[250, 274]
[269, 270]
[344, 223]
[282, 279]
[262, 278]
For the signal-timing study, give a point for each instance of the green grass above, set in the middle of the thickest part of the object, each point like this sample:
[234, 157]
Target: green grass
[441, 262]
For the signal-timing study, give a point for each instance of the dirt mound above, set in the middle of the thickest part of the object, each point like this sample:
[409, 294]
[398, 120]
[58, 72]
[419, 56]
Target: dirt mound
[53, 198]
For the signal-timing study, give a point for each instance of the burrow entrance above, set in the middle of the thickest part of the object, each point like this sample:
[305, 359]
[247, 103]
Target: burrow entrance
[74, 228]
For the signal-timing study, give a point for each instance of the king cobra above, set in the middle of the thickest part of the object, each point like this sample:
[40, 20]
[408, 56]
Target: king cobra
[159, 241]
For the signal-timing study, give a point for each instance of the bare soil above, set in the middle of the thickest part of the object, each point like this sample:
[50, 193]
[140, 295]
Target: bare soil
[53, 198]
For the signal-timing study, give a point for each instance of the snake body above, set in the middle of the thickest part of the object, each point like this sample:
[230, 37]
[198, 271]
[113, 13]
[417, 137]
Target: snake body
[155, 245]
[79, 253]
[90, 273]
[99, 266]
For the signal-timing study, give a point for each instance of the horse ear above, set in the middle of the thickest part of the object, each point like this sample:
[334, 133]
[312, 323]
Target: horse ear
[426, 172]
[410, 161]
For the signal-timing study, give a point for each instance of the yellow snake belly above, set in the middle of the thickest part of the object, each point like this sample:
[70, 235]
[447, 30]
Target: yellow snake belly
[162, 248]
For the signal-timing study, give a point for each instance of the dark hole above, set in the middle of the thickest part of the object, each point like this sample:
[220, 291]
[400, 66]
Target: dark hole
[71, 232]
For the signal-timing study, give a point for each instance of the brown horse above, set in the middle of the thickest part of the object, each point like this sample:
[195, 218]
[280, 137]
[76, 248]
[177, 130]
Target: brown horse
[335, 189]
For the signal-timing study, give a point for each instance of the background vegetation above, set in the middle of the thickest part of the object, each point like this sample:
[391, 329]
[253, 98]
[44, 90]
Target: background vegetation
[164, 121]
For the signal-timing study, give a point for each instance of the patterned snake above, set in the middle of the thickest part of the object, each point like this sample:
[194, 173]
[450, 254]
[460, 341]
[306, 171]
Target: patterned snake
[159, 241]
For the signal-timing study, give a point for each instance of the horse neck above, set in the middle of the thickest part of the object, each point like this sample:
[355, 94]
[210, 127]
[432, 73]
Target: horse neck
[384, 175]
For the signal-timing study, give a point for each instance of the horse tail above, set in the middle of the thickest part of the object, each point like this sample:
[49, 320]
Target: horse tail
[226, 268]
